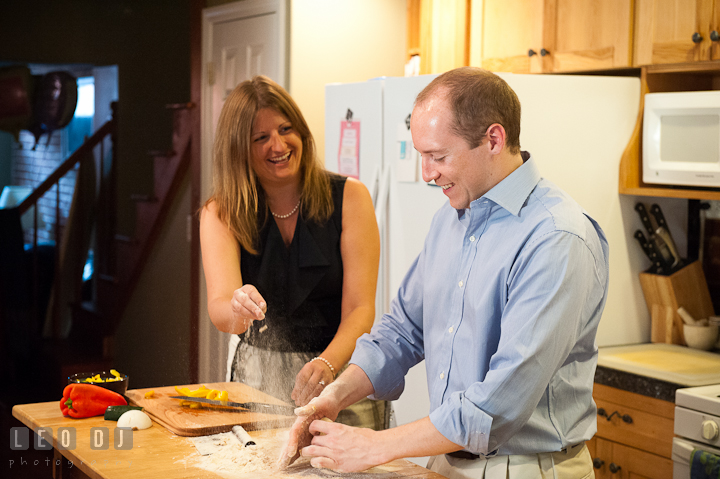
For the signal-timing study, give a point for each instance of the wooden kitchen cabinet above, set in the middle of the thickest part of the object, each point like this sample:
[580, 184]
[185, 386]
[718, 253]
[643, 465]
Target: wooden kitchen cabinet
[541, 36]
[636, 440]
[677, 31]
[512, 35]
[443, 32]
[627, 462]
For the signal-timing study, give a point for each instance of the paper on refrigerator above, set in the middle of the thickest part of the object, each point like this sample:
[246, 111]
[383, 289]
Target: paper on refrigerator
[407, 169]
[349, 153]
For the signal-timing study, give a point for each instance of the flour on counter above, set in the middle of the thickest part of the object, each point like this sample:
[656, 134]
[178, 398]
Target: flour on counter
[232, 460]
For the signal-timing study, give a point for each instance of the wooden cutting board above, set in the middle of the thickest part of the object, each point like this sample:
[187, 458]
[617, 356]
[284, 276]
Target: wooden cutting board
[186, 421]
[667, 362]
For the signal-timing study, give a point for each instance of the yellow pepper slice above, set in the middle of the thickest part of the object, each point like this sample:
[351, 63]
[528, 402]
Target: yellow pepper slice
[150, 393]
[198, 393]
[182, 391]
[223, 396]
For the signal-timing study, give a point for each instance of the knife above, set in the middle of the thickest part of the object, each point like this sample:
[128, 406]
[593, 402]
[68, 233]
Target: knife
[665, 255]
[649, 250]
[249, 406]
[663, 232]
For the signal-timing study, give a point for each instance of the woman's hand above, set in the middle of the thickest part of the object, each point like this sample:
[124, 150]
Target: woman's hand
[310, 382]
[247, 305]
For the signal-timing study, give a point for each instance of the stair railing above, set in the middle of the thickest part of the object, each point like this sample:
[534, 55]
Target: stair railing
[83, 153]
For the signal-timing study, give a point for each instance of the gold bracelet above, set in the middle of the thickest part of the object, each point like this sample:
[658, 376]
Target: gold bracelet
[332, 369]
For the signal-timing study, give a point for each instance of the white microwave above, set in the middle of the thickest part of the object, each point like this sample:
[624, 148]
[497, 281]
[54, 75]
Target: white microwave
[681, 138]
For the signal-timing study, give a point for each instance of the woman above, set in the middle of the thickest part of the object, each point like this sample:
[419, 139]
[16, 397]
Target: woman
[290, 252]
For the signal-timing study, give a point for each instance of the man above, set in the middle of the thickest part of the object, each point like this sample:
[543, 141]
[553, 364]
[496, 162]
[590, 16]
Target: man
[503, 303]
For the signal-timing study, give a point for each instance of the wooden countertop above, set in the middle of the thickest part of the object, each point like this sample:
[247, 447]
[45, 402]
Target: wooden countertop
[156, 452]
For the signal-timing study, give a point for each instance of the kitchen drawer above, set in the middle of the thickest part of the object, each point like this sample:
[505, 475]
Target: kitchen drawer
[641, 422]
[628, 462]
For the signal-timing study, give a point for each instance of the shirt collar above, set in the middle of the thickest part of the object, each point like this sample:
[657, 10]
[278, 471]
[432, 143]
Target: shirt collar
[512, 191]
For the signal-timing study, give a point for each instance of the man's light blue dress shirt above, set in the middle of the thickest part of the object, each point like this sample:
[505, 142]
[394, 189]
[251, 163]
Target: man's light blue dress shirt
[503, 303]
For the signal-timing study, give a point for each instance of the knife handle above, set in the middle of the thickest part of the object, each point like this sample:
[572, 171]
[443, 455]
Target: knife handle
[649, 249]
[640, 208]
[664, 233]
[659, 217]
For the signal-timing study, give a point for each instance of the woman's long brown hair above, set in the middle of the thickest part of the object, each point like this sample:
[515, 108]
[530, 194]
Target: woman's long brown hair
[236, 190]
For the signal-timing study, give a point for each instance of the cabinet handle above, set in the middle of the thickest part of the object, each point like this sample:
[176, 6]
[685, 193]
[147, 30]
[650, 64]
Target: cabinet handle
[544, 52]
[614, 467]
[697, 38]
[714, 36]
[626, 418]
[531, 52]
[598, 463]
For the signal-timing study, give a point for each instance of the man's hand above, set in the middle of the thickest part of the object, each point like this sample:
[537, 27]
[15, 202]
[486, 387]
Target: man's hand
[343, 448]
[300, 435]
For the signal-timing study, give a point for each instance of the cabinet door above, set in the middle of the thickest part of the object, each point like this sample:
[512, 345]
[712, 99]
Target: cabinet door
[588, 35]
[443, 35]
[511, 28]
[672, 31]
[601, 452]
[637, 464]
[616, 461]
[715, 32]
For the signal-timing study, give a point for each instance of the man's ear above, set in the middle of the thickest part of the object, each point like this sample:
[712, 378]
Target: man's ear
[496, 138]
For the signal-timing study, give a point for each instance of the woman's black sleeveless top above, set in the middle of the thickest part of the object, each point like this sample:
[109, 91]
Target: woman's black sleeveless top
[302, 283]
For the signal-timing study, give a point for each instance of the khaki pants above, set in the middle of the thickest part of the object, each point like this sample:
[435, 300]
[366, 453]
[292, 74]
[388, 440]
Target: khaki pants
[576, 463]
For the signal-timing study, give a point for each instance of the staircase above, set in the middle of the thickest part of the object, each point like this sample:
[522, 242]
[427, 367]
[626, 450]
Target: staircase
[119, 260]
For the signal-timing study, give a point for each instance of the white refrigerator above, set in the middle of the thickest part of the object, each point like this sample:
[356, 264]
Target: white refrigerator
[576, 127]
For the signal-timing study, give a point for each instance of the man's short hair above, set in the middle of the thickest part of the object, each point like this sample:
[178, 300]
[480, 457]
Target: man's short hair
[478, 98]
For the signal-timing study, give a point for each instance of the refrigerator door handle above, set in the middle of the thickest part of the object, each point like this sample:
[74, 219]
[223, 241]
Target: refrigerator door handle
[382, 197]
[374, 185]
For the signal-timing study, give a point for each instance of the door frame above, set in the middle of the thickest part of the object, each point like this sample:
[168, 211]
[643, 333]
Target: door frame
[211, 358]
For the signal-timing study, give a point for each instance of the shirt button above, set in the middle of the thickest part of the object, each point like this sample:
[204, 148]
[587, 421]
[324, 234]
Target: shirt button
[442, 375]
[450, 330]
[460, 284]
[472, 238]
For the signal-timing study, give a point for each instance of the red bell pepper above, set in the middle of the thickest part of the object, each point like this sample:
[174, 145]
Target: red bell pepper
[87, 400]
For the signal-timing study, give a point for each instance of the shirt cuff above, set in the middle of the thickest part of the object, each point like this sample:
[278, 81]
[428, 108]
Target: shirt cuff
[388, 382]
[463, 423]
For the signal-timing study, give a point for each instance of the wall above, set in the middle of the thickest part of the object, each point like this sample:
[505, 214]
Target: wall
[342, 41]
[153, 340]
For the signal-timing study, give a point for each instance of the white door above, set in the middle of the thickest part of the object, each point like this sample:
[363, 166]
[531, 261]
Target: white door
[240, 40]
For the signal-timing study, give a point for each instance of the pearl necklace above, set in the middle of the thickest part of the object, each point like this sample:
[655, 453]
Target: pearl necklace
[282, 217]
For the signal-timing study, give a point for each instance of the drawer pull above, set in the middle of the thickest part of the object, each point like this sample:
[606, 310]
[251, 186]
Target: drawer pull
[625, 417]
[614, 467]
[598, 463]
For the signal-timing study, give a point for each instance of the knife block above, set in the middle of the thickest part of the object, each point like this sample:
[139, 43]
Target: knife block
[686, 287]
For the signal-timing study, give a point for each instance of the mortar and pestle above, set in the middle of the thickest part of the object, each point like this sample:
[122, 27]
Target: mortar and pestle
[699, 334]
